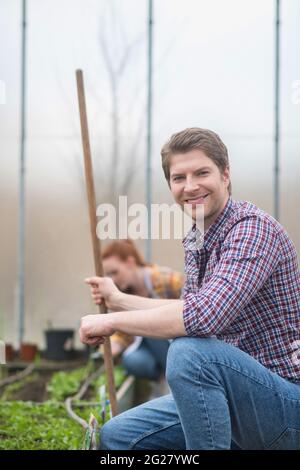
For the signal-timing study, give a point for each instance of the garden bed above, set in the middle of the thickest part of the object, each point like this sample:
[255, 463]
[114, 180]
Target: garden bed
[40, 420]
[37, 426]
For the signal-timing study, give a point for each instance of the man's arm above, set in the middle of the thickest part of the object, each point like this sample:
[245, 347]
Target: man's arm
[161, 322]
[103, 288]
[135, 302]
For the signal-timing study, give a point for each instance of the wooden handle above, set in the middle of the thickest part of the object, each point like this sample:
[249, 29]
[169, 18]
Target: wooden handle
[108, 361]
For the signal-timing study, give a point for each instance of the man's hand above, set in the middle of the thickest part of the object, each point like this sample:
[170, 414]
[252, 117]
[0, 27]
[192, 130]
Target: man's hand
[104, 288]
[94, 329]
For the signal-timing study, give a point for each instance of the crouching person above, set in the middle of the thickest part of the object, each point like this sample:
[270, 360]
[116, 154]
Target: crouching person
[233, 367]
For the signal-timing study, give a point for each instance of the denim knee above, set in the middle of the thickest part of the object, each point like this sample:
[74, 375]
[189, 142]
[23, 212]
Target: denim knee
[176, 359]
[187, 354]
[109, 436]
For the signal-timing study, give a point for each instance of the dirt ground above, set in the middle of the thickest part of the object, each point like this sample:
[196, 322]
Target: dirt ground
[33, 388]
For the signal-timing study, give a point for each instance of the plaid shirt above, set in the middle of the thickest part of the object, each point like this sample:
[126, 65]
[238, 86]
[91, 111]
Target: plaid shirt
[243, 287]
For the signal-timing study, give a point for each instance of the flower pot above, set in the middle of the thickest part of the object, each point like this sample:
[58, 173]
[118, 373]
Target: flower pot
[28, 352]
[9, 352]
[59, 344]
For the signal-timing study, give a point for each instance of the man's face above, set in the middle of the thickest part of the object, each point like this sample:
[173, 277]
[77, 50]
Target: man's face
[121, 272]
[195, 179]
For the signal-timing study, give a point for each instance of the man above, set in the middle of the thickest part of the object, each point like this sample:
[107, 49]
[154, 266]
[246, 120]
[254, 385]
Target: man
[233, 369]
[125, 265]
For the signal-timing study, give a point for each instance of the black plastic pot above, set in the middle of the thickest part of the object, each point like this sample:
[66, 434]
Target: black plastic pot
[59, 345]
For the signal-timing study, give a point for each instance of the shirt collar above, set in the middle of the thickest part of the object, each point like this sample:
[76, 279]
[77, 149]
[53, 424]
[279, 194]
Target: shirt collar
[213, 232]
[195, 239]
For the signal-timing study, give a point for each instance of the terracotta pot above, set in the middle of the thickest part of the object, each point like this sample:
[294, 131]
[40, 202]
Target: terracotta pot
[28, 352]
[9, 352]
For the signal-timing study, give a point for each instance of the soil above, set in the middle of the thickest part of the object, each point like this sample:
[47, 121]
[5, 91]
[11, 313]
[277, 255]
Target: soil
[33, 390]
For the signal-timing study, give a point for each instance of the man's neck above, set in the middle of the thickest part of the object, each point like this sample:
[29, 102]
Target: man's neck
[208, 222]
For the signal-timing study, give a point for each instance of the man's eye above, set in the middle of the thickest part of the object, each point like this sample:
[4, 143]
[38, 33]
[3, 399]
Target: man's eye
[176, 178]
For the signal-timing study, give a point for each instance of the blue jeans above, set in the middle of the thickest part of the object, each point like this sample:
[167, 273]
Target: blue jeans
[148, 361]
[221, 398]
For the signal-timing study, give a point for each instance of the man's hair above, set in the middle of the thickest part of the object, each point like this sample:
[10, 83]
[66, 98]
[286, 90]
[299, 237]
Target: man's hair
[123, 249]
[195, 138]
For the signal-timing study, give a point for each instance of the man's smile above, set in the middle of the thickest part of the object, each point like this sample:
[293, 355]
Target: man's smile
[197, 199]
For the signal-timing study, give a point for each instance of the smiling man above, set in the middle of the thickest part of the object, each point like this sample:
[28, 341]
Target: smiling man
[232, 367]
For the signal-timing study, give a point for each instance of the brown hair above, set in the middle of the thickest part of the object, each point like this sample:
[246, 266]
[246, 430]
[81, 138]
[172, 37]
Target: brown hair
[123, 249]
[195, 138]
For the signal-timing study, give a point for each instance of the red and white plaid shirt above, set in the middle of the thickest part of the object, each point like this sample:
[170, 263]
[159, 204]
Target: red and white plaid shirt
[243, 286]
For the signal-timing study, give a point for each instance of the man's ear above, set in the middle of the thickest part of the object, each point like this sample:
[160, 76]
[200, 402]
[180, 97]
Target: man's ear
[226, 176]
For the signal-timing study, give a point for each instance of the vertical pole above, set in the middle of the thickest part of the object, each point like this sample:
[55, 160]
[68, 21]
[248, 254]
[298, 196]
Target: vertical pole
[22, 169]
[90, 187]
[277, 115]
[149, 131]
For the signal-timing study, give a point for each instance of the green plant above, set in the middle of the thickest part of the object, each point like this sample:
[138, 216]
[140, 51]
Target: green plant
[32, 426]
[65, 384]
[119, 376]
[27, 425]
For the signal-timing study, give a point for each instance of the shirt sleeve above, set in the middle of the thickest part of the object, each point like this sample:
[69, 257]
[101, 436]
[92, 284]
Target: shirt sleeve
[248, 257]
